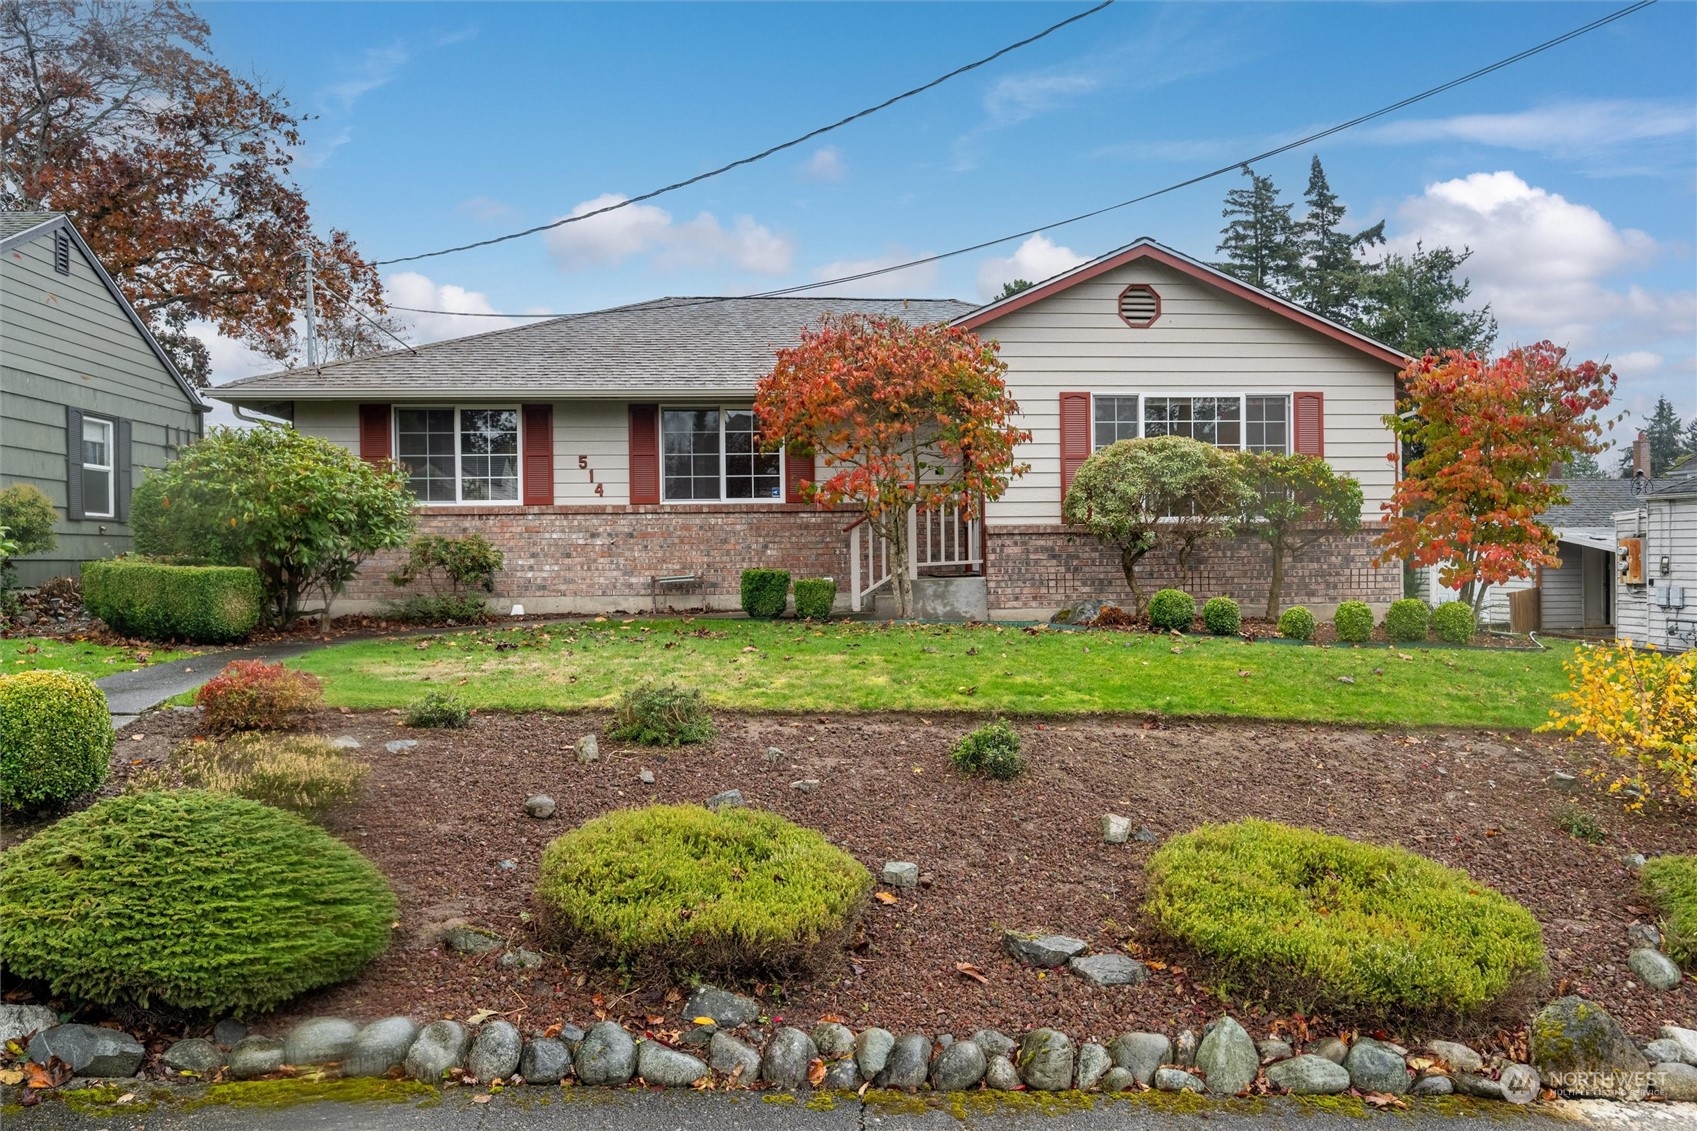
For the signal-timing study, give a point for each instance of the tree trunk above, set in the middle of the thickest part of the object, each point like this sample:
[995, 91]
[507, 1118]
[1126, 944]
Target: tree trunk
[1128, 565]
[901, 548]
[1276, 587]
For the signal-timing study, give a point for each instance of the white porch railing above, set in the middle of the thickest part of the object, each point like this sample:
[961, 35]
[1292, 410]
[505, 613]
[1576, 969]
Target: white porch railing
[941, 538]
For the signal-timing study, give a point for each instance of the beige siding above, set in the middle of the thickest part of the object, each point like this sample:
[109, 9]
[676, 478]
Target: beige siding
[336, 421]
[1205, 341]
[599, 431]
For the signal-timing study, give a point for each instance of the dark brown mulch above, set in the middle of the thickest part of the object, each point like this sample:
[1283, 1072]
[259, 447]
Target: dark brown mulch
[440, 818]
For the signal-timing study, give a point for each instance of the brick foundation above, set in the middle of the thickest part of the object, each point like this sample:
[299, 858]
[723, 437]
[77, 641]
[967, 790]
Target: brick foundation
[1036, 570]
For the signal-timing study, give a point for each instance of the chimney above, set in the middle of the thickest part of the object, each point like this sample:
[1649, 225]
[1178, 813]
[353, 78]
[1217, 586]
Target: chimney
[1641, 457]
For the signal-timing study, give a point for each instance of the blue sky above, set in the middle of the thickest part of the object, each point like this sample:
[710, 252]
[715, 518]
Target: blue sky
[1573, 176]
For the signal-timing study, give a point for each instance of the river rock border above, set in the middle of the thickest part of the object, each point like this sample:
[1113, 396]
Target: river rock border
[734, 1047]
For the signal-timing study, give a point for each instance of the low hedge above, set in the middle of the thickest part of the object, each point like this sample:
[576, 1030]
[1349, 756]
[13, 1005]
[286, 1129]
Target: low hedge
[190, 900]
[815, 597]
[1353, 622]
[1331, 925]
[1407, 620]
[1172, 610]
[679, 889]
[55, 738]
[1454, 623]
[764, 592]
[1221, 616]
[1297, 623]
[155, 601]
[1671, 884]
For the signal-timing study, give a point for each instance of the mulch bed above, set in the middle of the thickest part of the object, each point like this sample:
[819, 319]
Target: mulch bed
[440, 819]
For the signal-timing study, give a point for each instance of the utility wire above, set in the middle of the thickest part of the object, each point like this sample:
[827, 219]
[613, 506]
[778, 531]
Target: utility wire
[763, 154]
[1199, 178]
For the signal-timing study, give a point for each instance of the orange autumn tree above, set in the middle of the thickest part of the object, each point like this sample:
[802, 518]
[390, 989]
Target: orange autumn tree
[1485, 435]
[902, 416]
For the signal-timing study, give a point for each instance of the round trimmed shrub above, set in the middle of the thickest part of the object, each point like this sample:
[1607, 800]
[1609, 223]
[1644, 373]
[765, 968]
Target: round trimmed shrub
[678, 888]
[55, 738]
[764, 592]
[1407, 620]
[189, 899]
[1221, 616]
[991, 751]
[1453, 622]
[1341, 927]
[1172, 610]
[1297, 623]
[815, 597]
[1353, 622]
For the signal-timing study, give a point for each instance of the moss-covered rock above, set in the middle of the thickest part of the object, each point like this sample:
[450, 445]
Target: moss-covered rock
[1572, 1037]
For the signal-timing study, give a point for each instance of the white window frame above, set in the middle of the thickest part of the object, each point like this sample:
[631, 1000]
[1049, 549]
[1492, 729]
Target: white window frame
[1143, 396]
[110, 467]
[459, 476]
[722, 500]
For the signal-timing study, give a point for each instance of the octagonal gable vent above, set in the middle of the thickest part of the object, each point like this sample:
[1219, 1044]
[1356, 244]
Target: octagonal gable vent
[1140, 305]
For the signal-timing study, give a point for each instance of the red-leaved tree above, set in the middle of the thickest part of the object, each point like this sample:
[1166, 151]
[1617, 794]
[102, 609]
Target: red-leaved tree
[1485, 435]
[900, 416]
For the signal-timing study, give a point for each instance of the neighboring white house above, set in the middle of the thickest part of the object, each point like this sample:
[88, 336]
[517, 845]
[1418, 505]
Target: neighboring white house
[1656, 582]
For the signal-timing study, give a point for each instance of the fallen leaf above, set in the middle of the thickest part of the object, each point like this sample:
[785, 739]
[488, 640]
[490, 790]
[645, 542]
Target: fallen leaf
[830, 1019]
[1346, 679]
[127, 1097]
[816, 1072]
[480, 1017]
[11, 1077]
[704, 1020]
[480, 1098]
[972, 972]
[553, 1030]
[885, 897]
[1384, 1099]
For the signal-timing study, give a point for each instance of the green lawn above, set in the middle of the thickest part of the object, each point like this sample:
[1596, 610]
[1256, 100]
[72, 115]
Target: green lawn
[32, 653]
[789, 666]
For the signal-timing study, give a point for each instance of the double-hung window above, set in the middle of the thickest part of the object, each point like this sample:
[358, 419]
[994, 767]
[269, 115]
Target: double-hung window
[98, 467]
[459, 455]
[1256, 422]
[713, 454]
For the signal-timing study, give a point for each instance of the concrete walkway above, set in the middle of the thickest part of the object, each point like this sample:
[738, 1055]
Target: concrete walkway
[130, 693]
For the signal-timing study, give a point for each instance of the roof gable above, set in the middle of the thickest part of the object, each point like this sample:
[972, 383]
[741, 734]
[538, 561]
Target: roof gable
[1148, 249]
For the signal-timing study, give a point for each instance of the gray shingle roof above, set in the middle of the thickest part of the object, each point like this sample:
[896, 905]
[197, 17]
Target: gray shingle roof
[668, 346]
[1593, 503]
[13, 223]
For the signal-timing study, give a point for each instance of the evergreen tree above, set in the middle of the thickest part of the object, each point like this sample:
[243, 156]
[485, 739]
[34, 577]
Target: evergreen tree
[1582, 465]
[1668, 438]
[1331, 278]
[1014, 288]
[1688, 443]
[1260, 239]
[1416, 303]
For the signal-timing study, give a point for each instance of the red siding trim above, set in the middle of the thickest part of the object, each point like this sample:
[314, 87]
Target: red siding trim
[374, 443]
[1214, 279]
[1075, 437]
[644, 454]
[798, 469]
[1308, 423]
[538, 473]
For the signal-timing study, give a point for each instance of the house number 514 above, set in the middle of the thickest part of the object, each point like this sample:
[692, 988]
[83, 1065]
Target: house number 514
[583, 465]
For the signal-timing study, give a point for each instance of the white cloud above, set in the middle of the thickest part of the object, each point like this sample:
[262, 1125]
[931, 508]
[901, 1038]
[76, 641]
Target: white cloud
[377, 66]
[826, 164]
[909, 282]
[411, 289]
[1637, 363]
[610, 239]
[1564, 128]
[1036, 259]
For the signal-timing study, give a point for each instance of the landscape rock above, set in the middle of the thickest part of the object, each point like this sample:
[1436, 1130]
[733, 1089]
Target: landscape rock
[805, 785]
[646, 777]
[699, 1037]
[1374, 1066]
[1109, 970]
[909, 1063]
[1184, 1049]
[841, 1075]
[1046, 1060]
[1118, 1080]
[469, 940]
[773, 755]
[1655, 969]
[1309, 1075]
[1663, 1051]
[345, 742]
[1043, 950]
[380, 1046]
[1140, 1054]
[1572, 1035]
[545, 1061]
[1331, 1048]
[400, 744]
[725, 799]
[1563, 781]
[1115, 828]
[321, 1040]
[572, 1035]
[521, 959]
[668, 1068]
[1460, 1058]
[1093, 1064]
[88, 1050]
[1686, 1039]
[19, 1021]
[588, 750]
[1082, 613]
[196, 1055]
[1675, 1080]
[1272, 1049]
[1177, 1080]
[1227, 1058]
[441, 1045]
[253, 1057]
[833, 1040]
[1434, 1085]
[959, 1067]
[606, 1056]
[872, 1051]
[1000, 1075]
[787, 1058]
[899, 874]
[994, 1042]
[1144, 835]
[728, 1055]
[228, 1031]
[1634, 860]
[495, 1051]
[726, 1009]
[539, 805]
[1472, 1084]
[1644, 934]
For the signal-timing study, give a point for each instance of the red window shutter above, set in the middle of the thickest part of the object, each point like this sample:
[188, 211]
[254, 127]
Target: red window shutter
[644, 454]
[538, 455]
[374, 443]
[1308, 423]
[798, 469]
[1075, 437]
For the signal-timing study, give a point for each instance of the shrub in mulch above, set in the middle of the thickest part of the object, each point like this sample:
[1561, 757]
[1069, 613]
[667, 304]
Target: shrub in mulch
[1171, 610]
[438, 709]
[1671, 884]
[190, 900]
[1340, 927]
[255, 695]
[661, 715]
[304, 774]
[764, 592]
[1352, 621]
[1407, 620]
[1453, 622]
[55, 738]
[1297, 623]
[679, 889]
[991, 751]
[1221, 616]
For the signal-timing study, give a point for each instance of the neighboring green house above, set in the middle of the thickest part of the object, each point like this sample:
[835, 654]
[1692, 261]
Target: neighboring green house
[88, 400]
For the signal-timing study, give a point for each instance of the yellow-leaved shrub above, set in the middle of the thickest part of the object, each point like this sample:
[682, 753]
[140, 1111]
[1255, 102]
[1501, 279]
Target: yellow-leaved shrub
[1642, 705]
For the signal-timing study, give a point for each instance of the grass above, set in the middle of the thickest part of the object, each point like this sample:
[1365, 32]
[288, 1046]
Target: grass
[856, 666]
[38, 653]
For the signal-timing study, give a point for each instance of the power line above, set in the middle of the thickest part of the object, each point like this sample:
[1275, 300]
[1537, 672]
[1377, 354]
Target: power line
[1199, 178]
[763, 154]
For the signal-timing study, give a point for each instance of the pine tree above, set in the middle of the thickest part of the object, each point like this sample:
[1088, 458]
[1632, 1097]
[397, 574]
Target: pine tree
[1332, 277]
[1582, 465]
[1416, 304]
[1260, 239]
[1668, 437]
